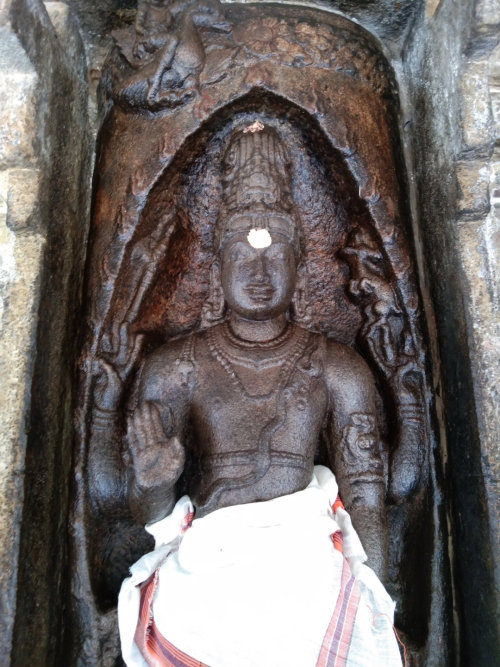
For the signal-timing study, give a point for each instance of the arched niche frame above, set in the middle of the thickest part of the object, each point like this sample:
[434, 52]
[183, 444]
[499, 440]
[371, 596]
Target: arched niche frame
[157, 194]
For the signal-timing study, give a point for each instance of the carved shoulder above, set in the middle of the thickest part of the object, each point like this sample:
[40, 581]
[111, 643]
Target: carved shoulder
[349, 380]
[168, 371]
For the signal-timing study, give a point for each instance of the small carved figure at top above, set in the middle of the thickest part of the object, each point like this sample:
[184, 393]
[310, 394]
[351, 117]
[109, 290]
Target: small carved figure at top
[168, 53]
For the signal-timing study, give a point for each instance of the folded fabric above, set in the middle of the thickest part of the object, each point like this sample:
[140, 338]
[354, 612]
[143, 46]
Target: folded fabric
[258, 585]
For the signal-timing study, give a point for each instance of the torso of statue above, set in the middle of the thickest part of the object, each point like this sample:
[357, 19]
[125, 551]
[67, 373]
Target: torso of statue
[252, 414]
[279, 396]
[243, 406]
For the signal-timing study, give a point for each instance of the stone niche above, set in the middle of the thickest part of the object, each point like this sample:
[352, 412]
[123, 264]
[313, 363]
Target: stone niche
[390, 113]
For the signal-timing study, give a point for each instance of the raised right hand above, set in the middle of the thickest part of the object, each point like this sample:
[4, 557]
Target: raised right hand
[157, 459]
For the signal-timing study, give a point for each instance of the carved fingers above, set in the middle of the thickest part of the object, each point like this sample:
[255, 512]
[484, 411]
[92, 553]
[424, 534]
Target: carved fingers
[156, 457]
[108, 386]
[380, 341]
[122, 349]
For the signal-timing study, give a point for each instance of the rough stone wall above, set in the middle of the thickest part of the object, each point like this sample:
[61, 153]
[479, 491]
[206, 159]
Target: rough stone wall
[448, 67]
[44, 195]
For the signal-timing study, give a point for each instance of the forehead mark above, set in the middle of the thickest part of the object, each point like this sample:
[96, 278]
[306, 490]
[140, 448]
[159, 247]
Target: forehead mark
[259, 238]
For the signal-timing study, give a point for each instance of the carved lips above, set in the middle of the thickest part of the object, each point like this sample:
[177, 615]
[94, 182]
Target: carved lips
[261, 292]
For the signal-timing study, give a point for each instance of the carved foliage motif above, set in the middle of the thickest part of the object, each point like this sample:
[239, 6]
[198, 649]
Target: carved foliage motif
[395, 347]
[180, 48]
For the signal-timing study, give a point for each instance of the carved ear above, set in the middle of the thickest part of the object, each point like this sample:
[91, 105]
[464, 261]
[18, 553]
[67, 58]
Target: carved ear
[214, 307]
[300, 302]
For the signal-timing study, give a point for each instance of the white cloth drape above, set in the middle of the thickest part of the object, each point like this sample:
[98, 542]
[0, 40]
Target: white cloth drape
[256, 585]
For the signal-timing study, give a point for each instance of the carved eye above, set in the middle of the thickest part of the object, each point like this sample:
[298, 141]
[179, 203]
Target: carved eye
[278, 251]
[375, 262]
[240, 251]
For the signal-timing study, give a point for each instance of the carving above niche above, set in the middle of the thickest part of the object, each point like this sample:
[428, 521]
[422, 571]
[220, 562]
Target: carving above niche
[178, 51]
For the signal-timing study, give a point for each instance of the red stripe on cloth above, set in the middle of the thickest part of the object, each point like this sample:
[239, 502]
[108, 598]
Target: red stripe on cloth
[157, 651]
[338, 540]
[338, 503]
[337, 640]
[188, 520]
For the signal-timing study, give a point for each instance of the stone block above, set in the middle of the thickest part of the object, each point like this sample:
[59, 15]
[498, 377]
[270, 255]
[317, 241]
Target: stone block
[431, 7]
[473, 182]
[20, 274]
[18, 108]
[23, 199]
[477, 123]
[487, 12]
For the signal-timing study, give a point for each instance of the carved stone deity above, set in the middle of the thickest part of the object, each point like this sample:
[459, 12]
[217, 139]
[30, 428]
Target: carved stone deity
[247, 404]
[254, 348]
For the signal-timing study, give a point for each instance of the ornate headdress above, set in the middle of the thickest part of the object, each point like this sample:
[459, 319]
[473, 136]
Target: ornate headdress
[257, 192]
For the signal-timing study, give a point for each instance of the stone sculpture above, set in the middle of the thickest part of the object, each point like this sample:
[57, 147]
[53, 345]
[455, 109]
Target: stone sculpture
[256, 438]
[318, 164]
[247, 401]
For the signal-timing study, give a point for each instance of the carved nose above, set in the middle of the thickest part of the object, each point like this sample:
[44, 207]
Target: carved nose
[260, 272]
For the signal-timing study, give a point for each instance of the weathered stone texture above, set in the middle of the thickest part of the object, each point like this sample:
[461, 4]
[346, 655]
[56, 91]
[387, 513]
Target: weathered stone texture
[476, 108]
[478, 240]
[473, 189]
[444, 54]
[17, 102]
[21, 249]
[452, 142]
[44, 195]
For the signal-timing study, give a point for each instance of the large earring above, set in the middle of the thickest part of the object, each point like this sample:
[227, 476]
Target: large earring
[302, 311]
[214, 307]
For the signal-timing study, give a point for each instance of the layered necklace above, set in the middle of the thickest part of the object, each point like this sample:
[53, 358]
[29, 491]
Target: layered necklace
[219, 337]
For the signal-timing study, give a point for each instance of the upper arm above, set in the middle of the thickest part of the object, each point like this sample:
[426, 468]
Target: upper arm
[353, 440]
[163, 382]
[350, 384]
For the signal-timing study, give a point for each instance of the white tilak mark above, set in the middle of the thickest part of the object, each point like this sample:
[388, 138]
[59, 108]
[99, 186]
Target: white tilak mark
[259, 238]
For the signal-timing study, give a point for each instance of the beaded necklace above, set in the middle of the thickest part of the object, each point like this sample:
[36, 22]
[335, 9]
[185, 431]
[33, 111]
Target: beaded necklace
[214, 339]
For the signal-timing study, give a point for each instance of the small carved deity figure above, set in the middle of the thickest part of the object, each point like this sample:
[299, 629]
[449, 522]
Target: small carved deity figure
[270, 571]
[168, 53]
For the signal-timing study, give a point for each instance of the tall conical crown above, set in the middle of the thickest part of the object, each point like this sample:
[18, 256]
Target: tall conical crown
[257, 189]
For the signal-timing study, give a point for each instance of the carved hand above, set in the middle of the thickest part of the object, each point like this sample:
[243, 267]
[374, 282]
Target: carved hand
[122, 348]
[157, 459]
[107, 388]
